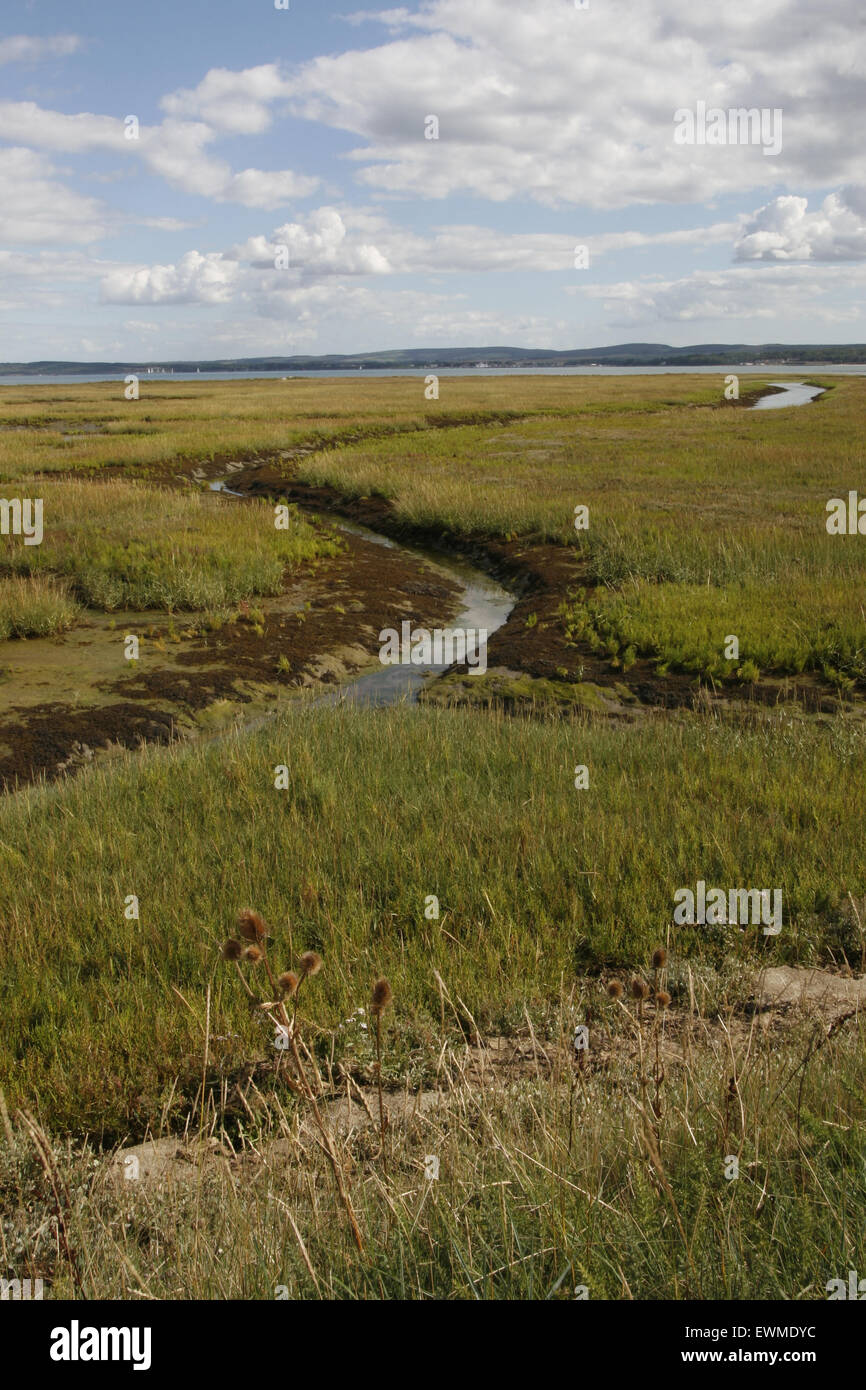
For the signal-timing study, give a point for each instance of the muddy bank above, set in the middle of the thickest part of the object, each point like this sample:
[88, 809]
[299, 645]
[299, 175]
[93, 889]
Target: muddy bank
[320, 632]
[56, 740]
[532, 644]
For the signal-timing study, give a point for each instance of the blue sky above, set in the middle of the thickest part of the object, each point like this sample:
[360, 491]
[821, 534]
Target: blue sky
[281, 195]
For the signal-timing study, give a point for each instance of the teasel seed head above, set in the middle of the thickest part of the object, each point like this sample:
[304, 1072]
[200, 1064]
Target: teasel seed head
[311, 964]
[231, 949]
[639, 989]
[660, 957]
[252, 925]
[253, 954]
[382, 996]
[663, 999]
[614, 989]
[288, 981]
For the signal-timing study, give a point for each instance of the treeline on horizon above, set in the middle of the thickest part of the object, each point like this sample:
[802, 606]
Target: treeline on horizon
[623, 355]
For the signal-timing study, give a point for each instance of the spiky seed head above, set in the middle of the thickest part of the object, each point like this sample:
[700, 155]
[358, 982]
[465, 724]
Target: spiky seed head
[288, 981]
[663, 999]
[252, 953]
[660, 956]
[311, 964]
[639, 989]
[382, 996]
[614, 989]
[252, 925]
[231, 949]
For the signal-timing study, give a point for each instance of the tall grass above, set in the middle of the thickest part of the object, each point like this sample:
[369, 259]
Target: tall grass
[536, 881]
[702, 524]
[549, 1186]
[781, 627]
[35, 607]
[131, 545]
[48, 429]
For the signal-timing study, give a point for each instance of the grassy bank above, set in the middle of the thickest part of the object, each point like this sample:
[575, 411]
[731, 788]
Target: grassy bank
[702, 524]
[738, 1176]
[536, 880]
[35, 606]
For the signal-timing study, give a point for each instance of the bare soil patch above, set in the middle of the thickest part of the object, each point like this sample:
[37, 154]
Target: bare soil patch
[783, 997]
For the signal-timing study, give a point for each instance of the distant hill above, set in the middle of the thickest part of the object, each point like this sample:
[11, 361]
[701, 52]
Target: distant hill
[620, 355]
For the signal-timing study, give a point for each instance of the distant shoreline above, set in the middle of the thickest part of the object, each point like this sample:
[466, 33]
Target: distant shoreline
[84, 377]
[488, 360]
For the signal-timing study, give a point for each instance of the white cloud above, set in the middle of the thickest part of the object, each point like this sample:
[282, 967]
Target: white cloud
[195, 279]
[25, 48]
[233, 101]
[321, 247]
[784, 230]
[560, 105]
[37, 208]
[26, 123]
[50, 266]
[359, 241]
[174, 149]
[166, 224]
[266, 188]
[826, 294]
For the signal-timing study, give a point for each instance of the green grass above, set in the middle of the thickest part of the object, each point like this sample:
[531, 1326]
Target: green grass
[782, 627]
[127, 545]
[42, 429]
[536, 881]
[704, 522]
[35, 607]
[544, 1187]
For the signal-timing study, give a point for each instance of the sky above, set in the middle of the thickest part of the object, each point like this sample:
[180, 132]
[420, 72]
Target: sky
[208, 179]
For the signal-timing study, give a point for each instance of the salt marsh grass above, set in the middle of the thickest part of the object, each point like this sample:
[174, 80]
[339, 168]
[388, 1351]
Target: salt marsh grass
[130, 545]
[545, 1187]
[703, 522]
[536, 881]
[34, 606]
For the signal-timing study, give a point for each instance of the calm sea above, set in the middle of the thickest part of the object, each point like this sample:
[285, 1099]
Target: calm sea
[745, 368]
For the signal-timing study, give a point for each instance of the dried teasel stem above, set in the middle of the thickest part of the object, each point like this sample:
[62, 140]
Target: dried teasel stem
[309, 1095]
[382, 996]
[253, 928]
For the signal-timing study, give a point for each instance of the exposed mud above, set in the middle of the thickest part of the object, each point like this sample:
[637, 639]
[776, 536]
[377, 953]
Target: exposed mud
[321, 631]
[53, 740]
[334, 631]
[533, 641]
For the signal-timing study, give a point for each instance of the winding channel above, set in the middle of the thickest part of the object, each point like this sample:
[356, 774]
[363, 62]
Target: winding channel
[791, 393]
[485, 605]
